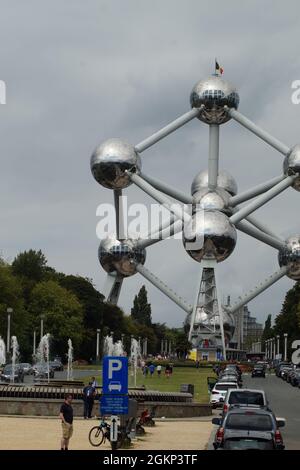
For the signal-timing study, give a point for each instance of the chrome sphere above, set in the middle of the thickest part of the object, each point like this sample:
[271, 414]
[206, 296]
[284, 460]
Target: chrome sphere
[218, 199]
[209, 235]
[212, 94]
[110, 161]
[120, 256]
[225, 181]
[290, 257]
[291, 165]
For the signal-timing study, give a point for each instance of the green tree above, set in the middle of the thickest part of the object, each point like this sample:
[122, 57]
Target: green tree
[141, 310]
[30, 264]
[268, 331]
[288, 320]
[63, 314]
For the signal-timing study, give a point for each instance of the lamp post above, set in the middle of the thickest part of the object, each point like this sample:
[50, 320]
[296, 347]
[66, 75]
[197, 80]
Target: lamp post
[285, 346]
[9, 312]
[98, 346]
[274, 348]
[42, 326]
[34, 343]
[278, 338]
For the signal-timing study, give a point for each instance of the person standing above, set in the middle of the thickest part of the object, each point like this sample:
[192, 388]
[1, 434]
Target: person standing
[158, 368]
[66, 417]
[151, 369]
[88, 400]
[94, 383]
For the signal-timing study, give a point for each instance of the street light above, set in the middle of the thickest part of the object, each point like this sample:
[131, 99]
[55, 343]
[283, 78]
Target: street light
[98, 345]
[42, 326]
[285, 346]
[278, 338]
[9, 312]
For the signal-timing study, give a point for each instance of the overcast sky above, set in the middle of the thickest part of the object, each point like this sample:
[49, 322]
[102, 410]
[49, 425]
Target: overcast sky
[79, 72]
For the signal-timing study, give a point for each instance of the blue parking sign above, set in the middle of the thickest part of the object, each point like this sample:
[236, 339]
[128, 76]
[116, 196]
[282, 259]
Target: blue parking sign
[115, 375]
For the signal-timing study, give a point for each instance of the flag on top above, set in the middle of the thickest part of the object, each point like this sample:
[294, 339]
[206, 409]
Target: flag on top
[218, 68]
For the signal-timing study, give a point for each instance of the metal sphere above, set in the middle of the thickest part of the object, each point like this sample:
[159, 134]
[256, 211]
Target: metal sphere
[209, 235]
[212, 94]
[290, 256]
[225, 181]
[120, 256]
[291, 165]
[110, 161]
[206, 199]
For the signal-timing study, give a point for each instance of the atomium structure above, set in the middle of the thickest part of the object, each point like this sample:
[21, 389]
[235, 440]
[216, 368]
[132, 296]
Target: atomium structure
[209, 218]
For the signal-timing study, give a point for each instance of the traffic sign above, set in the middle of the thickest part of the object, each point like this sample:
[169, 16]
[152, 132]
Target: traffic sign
[115, 375]
[113, 429]
[114, 405]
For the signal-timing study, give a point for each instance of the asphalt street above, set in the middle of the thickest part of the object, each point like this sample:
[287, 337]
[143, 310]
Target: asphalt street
[284, 400]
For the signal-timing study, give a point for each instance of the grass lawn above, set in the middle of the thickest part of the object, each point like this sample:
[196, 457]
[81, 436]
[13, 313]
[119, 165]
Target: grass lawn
[180, 376]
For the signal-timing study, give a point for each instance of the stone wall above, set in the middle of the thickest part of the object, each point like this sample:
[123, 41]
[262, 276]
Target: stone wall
[50, 407]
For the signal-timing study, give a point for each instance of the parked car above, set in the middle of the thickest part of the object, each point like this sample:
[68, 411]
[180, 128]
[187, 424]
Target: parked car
[245, 429]
[56, 365]
[295, 378]
[289, 374]
[41, 371]
[27, 368]
[8, 375]
[284, 372]
[246, 397]
[258, 371]
[219, 391]
[279, 366]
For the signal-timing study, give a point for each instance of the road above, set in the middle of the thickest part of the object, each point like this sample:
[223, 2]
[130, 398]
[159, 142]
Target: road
[284, 401]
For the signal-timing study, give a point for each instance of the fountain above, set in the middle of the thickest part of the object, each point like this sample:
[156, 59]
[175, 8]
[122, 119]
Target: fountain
[2, 352]
[42, 353]
[15, 356]
[70, 360]
[113, 349]
[118, 349]
[135, 356]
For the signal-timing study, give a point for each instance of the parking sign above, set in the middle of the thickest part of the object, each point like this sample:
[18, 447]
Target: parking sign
[115, 375]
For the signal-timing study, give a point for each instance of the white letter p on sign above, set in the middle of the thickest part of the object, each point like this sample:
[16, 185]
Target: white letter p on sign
[113, 366]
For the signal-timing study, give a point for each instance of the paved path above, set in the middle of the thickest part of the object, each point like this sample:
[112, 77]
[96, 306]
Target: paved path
[44, 433]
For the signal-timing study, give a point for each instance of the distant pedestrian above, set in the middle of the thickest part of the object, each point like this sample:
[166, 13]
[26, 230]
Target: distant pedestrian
[145, 370]
[94, 383]
[88, 400]
[168, 371]
[151, 369]
[66, 417]
[158, 368]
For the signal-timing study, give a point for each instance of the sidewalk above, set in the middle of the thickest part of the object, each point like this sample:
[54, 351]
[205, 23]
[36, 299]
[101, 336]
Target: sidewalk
[44, 434]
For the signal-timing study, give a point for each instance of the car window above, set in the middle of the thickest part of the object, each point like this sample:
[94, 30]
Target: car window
[224, 386]
[247, 421]
[247, 398]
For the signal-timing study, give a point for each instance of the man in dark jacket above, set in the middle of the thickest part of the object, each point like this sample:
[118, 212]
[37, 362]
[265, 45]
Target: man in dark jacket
[88, 400]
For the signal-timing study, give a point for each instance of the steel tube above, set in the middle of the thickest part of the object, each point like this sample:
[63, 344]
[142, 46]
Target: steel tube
[166, 189]
[259, 289]
[259, 235]
[213, 158]
[173, 126]
[262, 134]
[253, 192]
[263, 199]
[163, 288]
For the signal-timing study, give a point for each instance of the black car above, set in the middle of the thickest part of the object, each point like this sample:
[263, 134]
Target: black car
[248, 429]
[8, 375]
[258, 371]
[56, 365]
